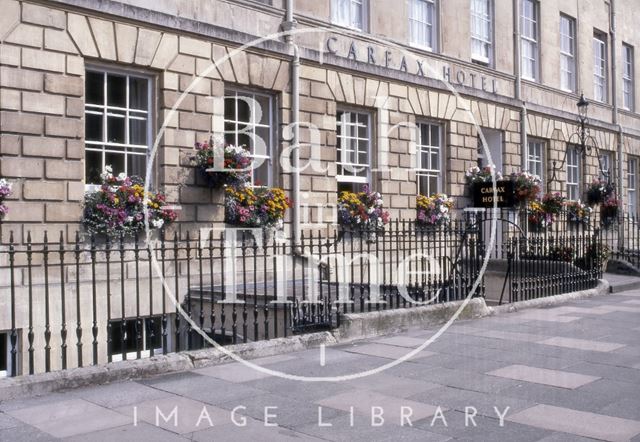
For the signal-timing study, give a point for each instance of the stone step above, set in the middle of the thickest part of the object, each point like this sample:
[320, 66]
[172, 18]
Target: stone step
[622, 283]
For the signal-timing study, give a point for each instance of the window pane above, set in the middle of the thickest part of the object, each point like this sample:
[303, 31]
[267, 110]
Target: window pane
[93, 127]
[244, 110]
[138, 132]
[116, 90]
[94, 88]
[116, 161]
[138, 93]
[263, 105]
[261, 174]
[137, 165]
[115, 129]
[230, 108]
[92, 166]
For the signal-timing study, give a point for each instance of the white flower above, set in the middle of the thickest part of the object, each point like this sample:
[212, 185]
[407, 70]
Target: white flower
[157, 223]
[122, 176]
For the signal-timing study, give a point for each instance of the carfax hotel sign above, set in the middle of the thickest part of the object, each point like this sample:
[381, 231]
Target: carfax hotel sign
[407, 62]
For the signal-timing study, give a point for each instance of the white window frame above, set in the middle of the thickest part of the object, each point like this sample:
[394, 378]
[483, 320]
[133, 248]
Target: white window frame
[530, 40]
[423, 34]
[567, 53]
[536, 158]
[606, 159]
[632, 186]
[482, 13]
[105, 146]
[234, 93]
[426, 171]
[600, 92]
[349, 19]
[344, 137]
[145, 352]
[628, 72]
[574, 173]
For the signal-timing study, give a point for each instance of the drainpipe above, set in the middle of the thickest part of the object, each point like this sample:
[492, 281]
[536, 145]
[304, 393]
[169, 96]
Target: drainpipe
[518, 83]
[614, 101]
[289, 25]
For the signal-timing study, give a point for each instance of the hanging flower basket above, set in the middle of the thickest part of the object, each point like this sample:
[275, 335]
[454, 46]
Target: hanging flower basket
[118, 207]
[609, 211]
[527, 186]
[598, 191]
[233, 167]
[553, 203]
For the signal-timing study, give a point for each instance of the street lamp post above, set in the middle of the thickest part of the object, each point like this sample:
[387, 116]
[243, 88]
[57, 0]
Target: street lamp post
[583, 142]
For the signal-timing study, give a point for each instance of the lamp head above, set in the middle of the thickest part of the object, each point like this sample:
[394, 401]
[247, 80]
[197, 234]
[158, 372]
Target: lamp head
[583, 106]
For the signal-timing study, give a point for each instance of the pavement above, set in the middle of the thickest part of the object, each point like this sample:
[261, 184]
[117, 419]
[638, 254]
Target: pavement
[567, 373]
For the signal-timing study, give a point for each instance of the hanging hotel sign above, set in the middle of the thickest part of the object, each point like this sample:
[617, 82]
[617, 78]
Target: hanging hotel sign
[412, 65]
[483, 194]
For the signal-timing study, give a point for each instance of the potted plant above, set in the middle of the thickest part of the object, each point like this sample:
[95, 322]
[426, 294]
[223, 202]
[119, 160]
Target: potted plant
[609, 211]
[256, 207]
[433, 211]
[5, 191]
[527, 186]
[598, 191]
[578, 212]
[362, 212]
[117, 208]
[222, 165]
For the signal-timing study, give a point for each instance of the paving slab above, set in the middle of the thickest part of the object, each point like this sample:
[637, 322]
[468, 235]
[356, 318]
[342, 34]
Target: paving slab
[248, 429]
[129, 433]
[387, 351]
[580, 423]
[582, 344]
[70, 418]
[363, 402]
[556, 378]
[176, 414]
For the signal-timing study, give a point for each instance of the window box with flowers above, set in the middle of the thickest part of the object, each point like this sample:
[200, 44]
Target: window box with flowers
[578, 213]
[256, 207]
[5, 191]
[433, 211]
[222, 165]
[362, 213]
[120, 206]
[539, 219]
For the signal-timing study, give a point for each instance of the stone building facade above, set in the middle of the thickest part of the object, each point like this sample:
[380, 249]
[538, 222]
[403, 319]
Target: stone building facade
[450, 68]
[414, 86]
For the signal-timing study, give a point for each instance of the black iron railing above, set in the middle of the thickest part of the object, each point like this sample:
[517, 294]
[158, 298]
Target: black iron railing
[84, 302]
